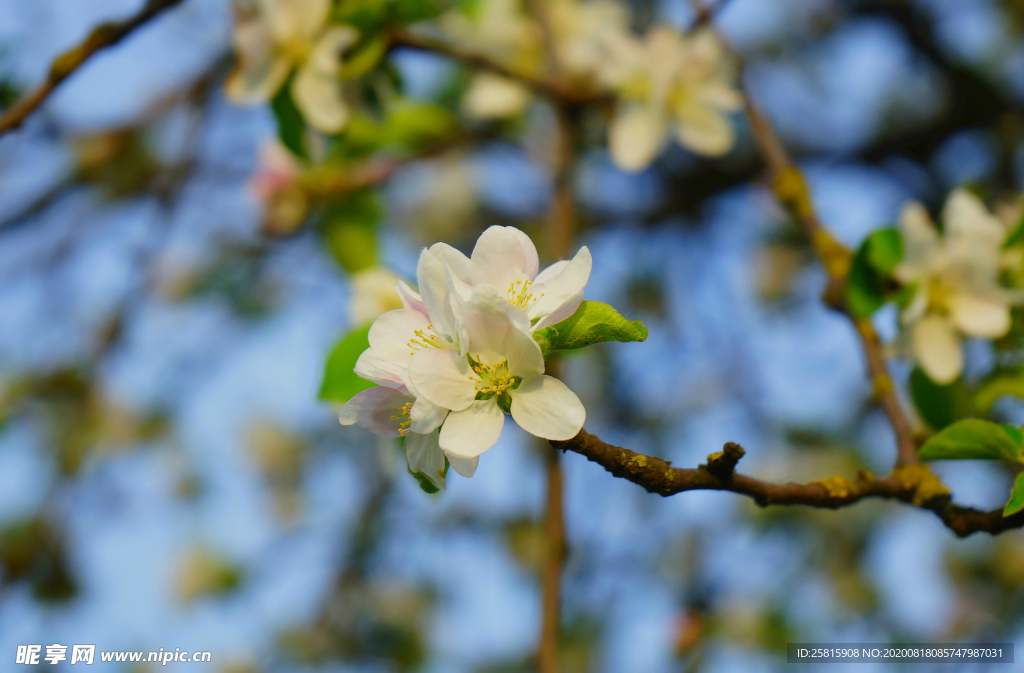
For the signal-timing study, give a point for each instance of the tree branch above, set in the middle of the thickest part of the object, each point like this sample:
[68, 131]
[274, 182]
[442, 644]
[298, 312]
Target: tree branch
[103, 36]
[791, 190]
[911, 484]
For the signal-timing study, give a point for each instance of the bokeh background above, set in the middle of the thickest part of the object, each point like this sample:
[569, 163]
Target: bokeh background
[168, 477]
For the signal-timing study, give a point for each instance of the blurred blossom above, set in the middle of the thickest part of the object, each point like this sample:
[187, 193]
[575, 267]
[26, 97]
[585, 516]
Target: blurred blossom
[276, 186]
[278, 36]
[279, 456]
[955, 279]
[373, 293]
[670, 83]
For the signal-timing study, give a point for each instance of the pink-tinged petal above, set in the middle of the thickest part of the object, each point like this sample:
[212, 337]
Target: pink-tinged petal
[424, 455]
[938, 349]
[503, 255]
[373, 409]
[546, 408]
[636, 136]
[523, 354]
[470, 432]
[372, 367]
[391, 333]
[560, 296]
[426, 416]
[466, 467]
[979, 316]
[411, 299]
[443, 378]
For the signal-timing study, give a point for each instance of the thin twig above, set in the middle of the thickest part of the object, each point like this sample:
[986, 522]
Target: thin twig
[791, 190]
[911, 484]
[103, 36]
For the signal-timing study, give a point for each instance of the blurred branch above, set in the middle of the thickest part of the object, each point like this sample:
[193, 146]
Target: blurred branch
[334, 181]
[912, 484]
[554, 91]
[103, 36]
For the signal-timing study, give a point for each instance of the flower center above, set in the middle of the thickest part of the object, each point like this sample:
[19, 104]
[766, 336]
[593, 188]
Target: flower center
[519, 294]
[938, 295]
[403, 412]
[492, 379]
[423, 340]
[295, 49]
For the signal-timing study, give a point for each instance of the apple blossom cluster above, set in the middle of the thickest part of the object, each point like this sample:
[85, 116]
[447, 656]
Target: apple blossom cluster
[956, 281]
[461, 353]
[668, 84]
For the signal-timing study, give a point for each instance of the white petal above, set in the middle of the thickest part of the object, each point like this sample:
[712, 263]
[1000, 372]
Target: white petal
[443, 378]
[550, 272]
[979, 316]
[545, 407]
[410, 298]
[373, 367]
[559, 297]
[635, 136]
[318, 97]
[522, 352]
[920, 239]
[704, 129]
[373, 408]
[487, 323]
[424, 455]
[494, 97]
[433, 283]
[470, 432]
[426, 416]
[466, 467]
[503, 255]
[966, 216]
[326, 56]
[460, 289]
[254, 83]
[295, 19]
[938, 349]
[391, 332]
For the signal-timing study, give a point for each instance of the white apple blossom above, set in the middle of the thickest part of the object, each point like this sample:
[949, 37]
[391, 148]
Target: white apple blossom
[585, 34]
[394, 408]
[503, 367]
[956, 282]
[282, 36]
[504, 258]
[671, 83]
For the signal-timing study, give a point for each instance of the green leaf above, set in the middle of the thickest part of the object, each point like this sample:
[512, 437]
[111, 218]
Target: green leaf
[411, 123]
[592, 323]
[1016, 236]
[940, 405]
[973, 439]
[869, 283]
[291, 126]
[1016, 501]
[350, 231]
[340, 380]
[989, 390]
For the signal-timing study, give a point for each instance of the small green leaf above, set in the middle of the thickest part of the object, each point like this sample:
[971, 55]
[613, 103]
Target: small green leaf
[592, 323]
[291, 126]
[940, 405]
[1016, 501]
[340, 380]
[424, 481]
[411, 123]
[869, 283]
[1016, 236]
[973, 439]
